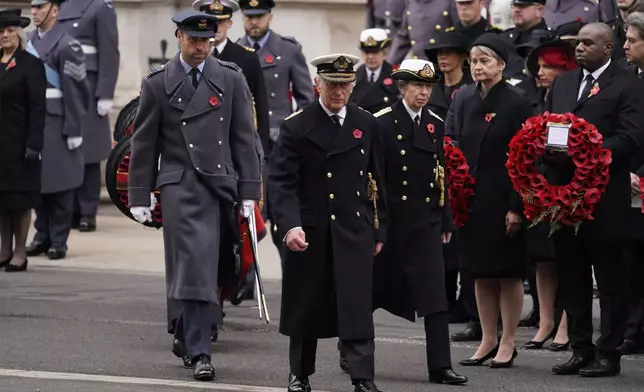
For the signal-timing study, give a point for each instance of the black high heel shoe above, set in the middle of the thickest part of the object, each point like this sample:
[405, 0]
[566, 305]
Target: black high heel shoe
[504, 365]
[16, 268]
[480, 361]
[535, 345]
[557, 347]
[5, 263]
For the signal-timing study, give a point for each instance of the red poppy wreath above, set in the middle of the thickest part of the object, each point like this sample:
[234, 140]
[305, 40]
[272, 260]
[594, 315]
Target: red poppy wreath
[560, 205]
[460, 183]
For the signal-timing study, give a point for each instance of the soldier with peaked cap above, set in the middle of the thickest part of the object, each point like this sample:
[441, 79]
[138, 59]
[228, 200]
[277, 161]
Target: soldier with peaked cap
[329, 205]
[67, 103]
[285, 71]
[195, 113]
[471, 22]
[385, 14]
[93, 24]
[374, 89]
[410, 271]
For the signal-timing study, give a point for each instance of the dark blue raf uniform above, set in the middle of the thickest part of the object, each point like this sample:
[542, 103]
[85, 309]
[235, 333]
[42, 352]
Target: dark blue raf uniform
[195, 140]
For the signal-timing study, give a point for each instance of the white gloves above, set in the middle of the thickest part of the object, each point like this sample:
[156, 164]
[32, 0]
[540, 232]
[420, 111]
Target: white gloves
[104, 106]
[74, 142]
[248, 207]
[144, 214]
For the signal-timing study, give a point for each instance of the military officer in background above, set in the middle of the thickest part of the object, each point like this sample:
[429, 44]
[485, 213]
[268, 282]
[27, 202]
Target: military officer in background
[558, 12]
[284, 67]
[93, 24]
[471, 22]
[422, 21]
[409, 274]
[528, 17]
[196, 114]
[374, 89]
[385, 14]
[67, 103]
[330, 209]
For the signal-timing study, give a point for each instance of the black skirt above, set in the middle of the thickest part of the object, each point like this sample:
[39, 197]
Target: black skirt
[18, 201]
[539, 247]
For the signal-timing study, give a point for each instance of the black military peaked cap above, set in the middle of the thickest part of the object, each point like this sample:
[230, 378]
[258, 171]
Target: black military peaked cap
[528, 2]
[256, 7]
[196, 24]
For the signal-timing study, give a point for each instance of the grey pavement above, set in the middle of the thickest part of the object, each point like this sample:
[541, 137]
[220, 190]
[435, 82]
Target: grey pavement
[79, 325]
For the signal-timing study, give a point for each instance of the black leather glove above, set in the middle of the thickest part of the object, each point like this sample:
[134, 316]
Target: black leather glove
[557, 158]
[31, 155]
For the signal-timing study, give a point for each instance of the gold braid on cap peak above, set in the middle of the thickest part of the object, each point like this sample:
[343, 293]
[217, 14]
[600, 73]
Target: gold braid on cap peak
[373, 196]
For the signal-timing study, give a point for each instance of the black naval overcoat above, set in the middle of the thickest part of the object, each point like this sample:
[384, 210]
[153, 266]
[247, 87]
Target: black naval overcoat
[319, 182]
[379, 95]
[410, 272]
[487, 250]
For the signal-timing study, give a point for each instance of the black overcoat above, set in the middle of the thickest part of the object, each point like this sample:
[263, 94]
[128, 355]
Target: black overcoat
[410, 271]
[487, 250]
[617, 110]
[379, 95]
[22, 122]
[318, 181]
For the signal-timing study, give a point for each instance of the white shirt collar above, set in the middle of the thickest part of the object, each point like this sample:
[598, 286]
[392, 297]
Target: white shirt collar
[221, 46]
[598, 71]
[342, 113]
[376, 73]
[411, 112]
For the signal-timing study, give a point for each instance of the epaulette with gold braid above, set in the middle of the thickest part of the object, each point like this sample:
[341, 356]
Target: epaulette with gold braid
[154, 71]
[382, 112]
[248, 48]
[293, 115]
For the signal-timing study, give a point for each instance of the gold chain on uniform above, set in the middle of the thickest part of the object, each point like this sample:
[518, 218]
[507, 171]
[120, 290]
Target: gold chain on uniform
[440, 179]
[373, 196]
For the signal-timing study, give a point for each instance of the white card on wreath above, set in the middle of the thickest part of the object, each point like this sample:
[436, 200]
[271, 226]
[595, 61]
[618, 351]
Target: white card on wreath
[557, 136]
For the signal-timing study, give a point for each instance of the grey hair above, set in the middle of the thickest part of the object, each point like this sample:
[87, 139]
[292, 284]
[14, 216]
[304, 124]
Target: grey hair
[401, 84]
[636, 21]
[484, 50]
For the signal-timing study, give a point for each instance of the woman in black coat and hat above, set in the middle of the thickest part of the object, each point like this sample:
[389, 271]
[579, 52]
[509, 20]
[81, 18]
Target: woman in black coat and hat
[485, 116]
[22, 121]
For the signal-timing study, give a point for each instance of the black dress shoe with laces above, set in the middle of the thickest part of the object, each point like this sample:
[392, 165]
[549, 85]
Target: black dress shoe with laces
[87, 224]
[180, 351]
[366, 386]
[296, 384]
[601, 367]
[37, 248]
[472, 333]
[573, 366]
[446, 376]
[57, 252]
[204, 371]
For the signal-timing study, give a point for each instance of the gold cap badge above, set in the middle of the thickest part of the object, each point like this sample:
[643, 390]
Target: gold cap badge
[426, 72]
[253, 3]
[341, 63]
[216, 6]
[371, 42]
[202, 24]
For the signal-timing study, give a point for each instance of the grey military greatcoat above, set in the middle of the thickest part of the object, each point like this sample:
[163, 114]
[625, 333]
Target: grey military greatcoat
[387, 14]
[422, 21]
[284, 67]
[206, 140]
[558, 12]
[93, 23]
[67, 97]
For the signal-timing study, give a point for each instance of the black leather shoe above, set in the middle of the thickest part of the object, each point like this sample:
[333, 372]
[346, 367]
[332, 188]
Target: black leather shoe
[629, 347]
[446, 376]
[366, 386]
[57, 252]
[531, 320]
[37, 248]
[87, 224]
[343, 360]
[557, 347]
[16, 268]
[472, 333]
[180, 351]
[573, 366]
[296, 384]
[204, 371]
[601, 367]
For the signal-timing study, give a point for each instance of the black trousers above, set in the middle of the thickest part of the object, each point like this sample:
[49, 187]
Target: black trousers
[193, 327]
[88, 195]
[359, 355]
[437, 338]
[576, 259]
[54, 217]
[635, 265]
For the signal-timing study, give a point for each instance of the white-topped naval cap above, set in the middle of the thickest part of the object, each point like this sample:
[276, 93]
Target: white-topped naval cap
[378, 35]
[337, 67]
[215, 5]
[416, 69]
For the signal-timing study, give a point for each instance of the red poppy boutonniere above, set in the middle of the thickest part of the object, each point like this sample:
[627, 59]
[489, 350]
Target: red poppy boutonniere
[213, 101]
[387, 82]
[11, 64]
[357, 134]
[489, 117]
[269, 59]
[430, 128]
[594, 90]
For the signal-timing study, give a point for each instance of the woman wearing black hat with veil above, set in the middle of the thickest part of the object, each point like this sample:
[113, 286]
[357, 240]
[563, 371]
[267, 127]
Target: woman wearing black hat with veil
[22, 115]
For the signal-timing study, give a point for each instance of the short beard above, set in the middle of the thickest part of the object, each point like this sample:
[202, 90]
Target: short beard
[261, 34]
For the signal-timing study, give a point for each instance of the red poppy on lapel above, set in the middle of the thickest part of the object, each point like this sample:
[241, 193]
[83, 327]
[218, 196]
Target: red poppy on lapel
[214, 101]
[387, 82]
[430, 128]
[594, 90]
[11, 64]
[269, 59]
[357, 134]
[489, 117]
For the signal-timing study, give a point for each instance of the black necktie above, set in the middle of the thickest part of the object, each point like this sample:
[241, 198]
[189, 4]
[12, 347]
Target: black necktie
[589, 85]
[256, 47]
[336, 120]
[216, 52]
[372, 79]
[417, 120]
[193, 73]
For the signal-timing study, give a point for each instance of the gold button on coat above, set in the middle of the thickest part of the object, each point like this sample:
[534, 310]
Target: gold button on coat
[427, 200]
[402, 152]
[358, 214]
[404, 182]
[331, 196]
[438, 27]
[404, 168]
[404, 198]
[432, 41]
[332, 217]
[329, 175]
[413, 42]
[445, 13]
[399, 137]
